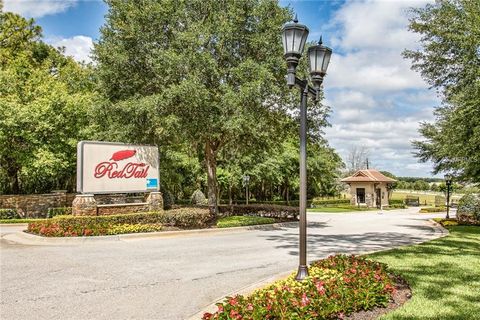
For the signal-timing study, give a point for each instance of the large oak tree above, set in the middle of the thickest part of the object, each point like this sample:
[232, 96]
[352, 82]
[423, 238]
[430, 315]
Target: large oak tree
[210, 71]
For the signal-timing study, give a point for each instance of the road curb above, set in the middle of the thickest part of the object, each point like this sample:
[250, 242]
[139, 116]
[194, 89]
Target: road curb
[439, 228]
[246, 290]
[25, 238]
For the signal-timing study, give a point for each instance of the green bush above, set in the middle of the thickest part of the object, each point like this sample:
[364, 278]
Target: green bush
[65, 226]
[468, 211]
[397, 206]
[396, 201]
[433, 209]
[167, 200]
[9, 214]
[328, 202]
[61, 211]
[264, 210]
[335, 287]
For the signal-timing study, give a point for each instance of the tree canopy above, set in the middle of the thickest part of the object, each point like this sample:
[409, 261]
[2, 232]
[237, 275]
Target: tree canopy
[44, 97]
[449, 60]
[208, 74]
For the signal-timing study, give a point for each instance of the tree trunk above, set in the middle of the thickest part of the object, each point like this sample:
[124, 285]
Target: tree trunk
[211, 163]
[12, 173]
[230, 200]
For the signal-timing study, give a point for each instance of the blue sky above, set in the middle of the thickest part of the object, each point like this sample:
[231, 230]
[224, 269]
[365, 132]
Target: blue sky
[377, 101]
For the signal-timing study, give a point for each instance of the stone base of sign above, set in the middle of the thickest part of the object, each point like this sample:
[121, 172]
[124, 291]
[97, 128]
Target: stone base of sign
[155, 201]
[84, 205]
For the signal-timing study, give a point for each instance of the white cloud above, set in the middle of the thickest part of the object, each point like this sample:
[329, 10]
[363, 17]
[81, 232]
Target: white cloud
[79, 47]
[377, 100]
[37, 8]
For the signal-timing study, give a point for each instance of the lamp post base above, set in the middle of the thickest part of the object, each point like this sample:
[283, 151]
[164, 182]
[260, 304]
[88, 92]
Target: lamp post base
[302, 273]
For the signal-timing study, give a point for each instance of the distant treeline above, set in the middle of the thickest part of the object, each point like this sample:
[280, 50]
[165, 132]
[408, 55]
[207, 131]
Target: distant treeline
[413, 179]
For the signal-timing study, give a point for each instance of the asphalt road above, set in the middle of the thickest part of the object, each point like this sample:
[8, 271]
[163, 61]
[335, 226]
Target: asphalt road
[175, 277]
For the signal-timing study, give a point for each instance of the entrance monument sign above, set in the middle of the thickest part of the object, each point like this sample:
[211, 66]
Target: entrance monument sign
[107, 167]
[110, 167]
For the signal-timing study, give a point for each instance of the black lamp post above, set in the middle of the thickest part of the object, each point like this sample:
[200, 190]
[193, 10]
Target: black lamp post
[246, 181]
[448, 182]
[294, 38]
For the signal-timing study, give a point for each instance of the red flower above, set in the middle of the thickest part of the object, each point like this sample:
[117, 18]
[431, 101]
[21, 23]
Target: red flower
[207, 316]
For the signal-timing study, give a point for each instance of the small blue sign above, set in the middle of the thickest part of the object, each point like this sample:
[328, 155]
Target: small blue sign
[152, 183]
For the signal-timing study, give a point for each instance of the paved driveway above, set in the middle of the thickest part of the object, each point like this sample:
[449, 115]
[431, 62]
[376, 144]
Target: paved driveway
[175, 277]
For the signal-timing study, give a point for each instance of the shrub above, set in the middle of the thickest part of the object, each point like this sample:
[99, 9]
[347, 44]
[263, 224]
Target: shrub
[167, 200]
[198, 198]
[326, 202]
[468, 211]
[65, 226]
[396, 201]
[433, 209]
[446, 222]
[134, 228]
[397, 205]
[52, 212]
[262, 210]
[336, 286]
[9, 214]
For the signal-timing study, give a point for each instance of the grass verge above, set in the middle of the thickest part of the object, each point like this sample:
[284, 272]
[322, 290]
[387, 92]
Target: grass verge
[19, 220]
[239, 221]
[444, 275]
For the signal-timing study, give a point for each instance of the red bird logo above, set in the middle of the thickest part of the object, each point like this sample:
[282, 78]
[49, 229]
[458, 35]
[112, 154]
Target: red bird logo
[123, 154]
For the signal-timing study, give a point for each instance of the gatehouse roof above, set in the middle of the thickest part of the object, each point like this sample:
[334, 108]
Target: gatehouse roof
[368, 175]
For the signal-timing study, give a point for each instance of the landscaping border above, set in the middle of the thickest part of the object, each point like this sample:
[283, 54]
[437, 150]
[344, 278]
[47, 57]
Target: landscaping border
[31, 239]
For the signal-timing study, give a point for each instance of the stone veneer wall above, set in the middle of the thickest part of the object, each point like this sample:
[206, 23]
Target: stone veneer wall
[35, 205]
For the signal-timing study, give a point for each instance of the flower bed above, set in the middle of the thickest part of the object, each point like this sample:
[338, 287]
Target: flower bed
[73, 226]
[336, 287]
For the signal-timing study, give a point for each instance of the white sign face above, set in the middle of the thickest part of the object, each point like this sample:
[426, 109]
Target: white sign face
[107, 167]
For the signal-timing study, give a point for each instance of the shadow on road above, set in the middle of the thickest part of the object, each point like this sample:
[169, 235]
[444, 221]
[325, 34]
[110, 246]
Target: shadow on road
[351, 243]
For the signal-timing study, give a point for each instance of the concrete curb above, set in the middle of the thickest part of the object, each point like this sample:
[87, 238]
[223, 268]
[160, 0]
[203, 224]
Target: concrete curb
[439, 228]
[31, 239]
[212, 307]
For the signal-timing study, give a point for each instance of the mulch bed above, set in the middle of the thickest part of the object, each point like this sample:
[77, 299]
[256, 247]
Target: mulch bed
[402, 295]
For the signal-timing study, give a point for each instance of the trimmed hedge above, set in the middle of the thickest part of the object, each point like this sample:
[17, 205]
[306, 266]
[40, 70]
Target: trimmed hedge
[262, 210]
[328, 202]
[66, 226]
[396, 201]
[9, 214]
[433, 209]
[61, 211]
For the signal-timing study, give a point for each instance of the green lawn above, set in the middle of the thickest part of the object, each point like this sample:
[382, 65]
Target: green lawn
[444, 275]
[239, 221]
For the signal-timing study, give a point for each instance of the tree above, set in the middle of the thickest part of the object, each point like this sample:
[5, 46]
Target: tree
[357, 159]
[213, 70]
[449, 60]
[44, 98]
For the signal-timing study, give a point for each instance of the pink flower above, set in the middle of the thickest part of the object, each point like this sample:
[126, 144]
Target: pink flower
[320, 288]
[249, 307]
[305, 300]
